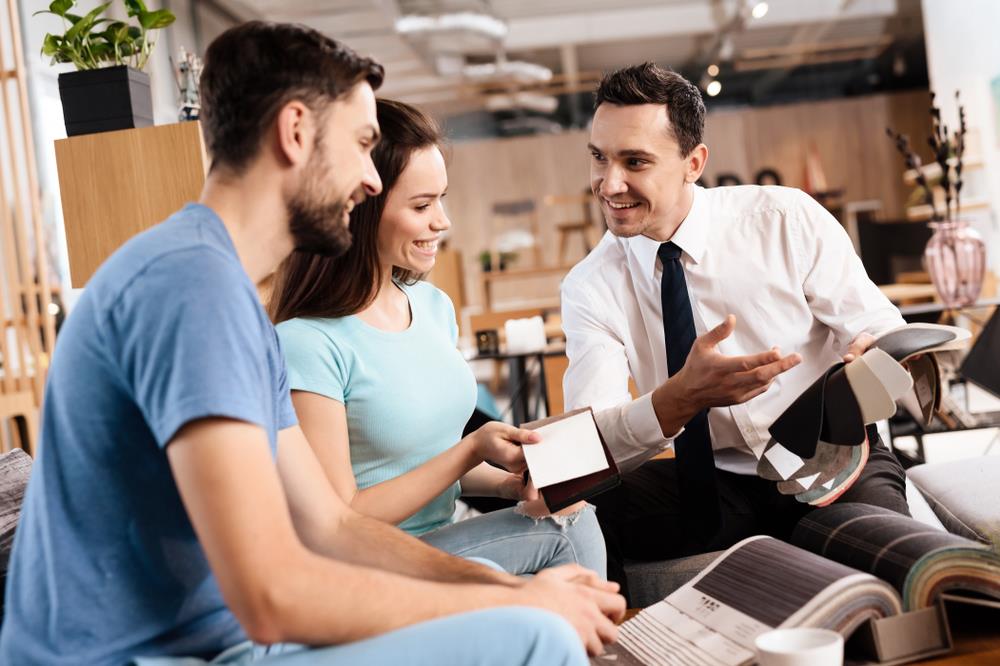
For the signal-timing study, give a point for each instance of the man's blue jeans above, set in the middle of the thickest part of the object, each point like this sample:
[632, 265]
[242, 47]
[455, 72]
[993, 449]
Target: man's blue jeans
[510, 636]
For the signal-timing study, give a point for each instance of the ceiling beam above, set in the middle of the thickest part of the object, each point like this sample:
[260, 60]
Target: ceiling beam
[676, 19]
[813, 48]
[792, 61]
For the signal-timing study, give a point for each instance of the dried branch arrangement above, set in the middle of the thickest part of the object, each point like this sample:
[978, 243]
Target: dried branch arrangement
[944, 146]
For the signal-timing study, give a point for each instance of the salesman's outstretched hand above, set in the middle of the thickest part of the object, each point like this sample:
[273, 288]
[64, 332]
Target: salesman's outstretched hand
[711, 379]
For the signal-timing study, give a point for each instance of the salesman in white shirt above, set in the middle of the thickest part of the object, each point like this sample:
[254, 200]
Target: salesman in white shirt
[693, 294]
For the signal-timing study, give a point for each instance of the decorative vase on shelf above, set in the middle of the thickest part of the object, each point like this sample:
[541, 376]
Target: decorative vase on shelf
[956, 261]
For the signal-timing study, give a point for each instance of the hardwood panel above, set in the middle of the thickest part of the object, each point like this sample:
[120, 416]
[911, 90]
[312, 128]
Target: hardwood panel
[116, 184]
[727, 151]
[447, 275]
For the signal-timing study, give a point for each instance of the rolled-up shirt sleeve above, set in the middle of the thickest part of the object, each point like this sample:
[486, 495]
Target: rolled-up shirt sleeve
[598, 375]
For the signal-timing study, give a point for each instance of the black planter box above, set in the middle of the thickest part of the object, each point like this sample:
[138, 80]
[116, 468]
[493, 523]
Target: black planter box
[102, 100]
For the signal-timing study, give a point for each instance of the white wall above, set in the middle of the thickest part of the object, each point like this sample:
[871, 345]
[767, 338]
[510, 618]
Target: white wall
[963, 53]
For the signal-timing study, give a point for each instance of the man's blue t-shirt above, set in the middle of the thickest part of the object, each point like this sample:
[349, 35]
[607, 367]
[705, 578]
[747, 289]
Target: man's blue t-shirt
[106, 565]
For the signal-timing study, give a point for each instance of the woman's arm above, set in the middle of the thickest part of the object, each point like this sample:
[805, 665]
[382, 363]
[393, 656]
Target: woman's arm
[324, 422]
[487, 481]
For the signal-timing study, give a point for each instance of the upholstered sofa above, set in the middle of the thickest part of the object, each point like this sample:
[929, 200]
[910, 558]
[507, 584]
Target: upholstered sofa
[962, 497]
[15, 467]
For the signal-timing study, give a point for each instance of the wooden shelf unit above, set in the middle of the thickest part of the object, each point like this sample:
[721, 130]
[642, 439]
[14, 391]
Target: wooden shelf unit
[974, 199]
[116, 184]
[487, 278]
[924, 213]
[933, 169]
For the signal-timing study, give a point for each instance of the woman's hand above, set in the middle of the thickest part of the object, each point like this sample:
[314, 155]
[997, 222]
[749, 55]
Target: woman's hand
[513, 487]
[500, 443]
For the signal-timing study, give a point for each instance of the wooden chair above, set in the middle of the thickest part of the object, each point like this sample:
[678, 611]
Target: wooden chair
[583, 225]
[18, 422]
[515, 215]
[27, 324]
[448, 276]
[554, 368]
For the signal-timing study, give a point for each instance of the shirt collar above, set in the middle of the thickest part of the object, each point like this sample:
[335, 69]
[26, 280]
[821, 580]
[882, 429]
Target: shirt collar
[690, 236]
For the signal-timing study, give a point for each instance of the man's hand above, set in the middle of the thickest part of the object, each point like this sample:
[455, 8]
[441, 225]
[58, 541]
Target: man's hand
[591, 605]
[500, 443]
[710, 379]
[858, 346]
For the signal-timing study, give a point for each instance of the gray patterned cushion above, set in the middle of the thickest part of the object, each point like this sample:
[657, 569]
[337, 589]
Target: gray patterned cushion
[965, 495]
[15, 467]
[651, 582]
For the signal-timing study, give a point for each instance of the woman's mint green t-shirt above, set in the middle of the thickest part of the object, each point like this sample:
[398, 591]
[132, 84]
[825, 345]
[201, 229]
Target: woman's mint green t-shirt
[407, 394]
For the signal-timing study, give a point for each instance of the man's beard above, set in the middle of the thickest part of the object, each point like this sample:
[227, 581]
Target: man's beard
[317, 225]
[318, 228]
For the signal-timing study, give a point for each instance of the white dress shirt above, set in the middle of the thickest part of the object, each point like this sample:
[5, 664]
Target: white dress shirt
[770, 255]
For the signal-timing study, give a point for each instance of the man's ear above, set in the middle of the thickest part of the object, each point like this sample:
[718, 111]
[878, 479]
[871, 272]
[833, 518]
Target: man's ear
[696, 162]
[294, 129]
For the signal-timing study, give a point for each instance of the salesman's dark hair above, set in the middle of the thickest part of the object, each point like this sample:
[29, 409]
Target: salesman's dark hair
[649, 83]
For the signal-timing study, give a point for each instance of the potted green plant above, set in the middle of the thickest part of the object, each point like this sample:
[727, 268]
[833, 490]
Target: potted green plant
[486, 261]
[109, 90]
[506, 259]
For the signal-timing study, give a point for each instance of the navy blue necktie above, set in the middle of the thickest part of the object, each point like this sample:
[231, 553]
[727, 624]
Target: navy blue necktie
[695, 462]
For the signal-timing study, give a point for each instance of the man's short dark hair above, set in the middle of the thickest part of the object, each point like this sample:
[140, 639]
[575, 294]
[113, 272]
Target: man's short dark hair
[255, 68]
[650, 84]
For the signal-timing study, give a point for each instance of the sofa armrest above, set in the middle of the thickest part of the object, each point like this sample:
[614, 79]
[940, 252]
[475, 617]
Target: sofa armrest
[965, 495]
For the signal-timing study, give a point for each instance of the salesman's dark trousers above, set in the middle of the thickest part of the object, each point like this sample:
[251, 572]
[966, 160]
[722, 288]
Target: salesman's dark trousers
[642, 519]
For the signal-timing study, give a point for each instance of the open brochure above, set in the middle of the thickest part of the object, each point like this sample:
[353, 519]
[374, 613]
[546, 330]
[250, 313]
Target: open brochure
[819, 446]
[876, 577]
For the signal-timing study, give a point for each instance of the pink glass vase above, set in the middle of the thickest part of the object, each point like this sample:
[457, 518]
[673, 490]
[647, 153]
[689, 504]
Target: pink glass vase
[956, 261]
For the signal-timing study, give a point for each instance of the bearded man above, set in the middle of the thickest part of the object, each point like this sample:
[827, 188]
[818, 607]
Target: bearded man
[176, 513]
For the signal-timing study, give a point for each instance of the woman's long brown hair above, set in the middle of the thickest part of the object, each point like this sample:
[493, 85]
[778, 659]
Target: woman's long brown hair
[309, 285]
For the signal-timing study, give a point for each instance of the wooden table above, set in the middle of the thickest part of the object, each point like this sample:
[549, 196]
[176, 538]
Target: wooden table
[518, 380]
[975, 634]
[904, 294]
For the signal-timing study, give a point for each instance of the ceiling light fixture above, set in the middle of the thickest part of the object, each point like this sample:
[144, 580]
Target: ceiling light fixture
[759, 10]
[522, 100]
[483, 24]
[713, 88]
[517, 70]
[726, 48]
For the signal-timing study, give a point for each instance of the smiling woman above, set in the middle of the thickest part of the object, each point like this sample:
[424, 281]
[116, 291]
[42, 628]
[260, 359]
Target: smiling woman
[311, 285]
[383, 394]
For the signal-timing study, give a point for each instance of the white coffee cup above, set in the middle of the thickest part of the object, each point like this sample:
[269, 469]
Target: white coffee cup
[800, 646]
